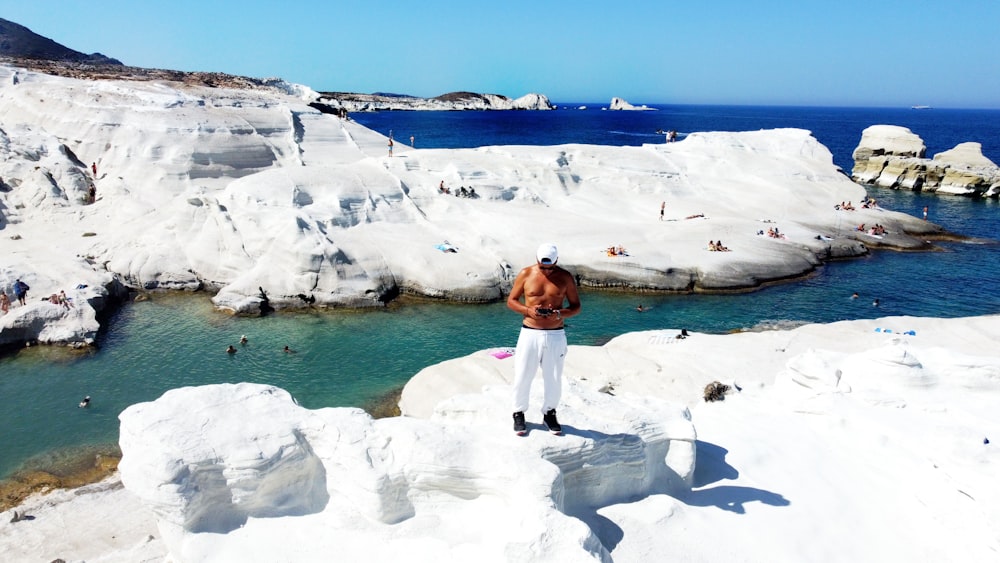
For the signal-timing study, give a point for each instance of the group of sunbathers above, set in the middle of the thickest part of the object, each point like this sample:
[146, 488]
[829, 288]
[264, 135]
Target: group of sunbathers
[772, 232]
[616, 250]
[867, 203]
[874, 230]
[460, 192]
[717, 246]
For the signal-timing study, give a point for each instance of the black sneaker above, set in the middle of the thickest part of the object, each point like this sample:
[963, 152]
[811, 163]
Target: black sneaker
[519, 425]
[551, 422]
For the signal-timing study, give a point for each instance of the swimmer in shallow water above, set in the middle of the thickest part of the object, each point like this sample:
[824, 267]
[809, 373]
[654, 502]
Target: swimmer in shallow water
[231, 349]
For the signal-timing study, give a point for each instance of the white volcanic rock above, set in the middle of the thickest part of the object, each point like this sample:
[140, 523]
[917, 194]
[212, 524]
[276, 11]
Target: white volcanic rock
[533, 101]
[236, 191]
[883, 431]
[52, 323]
[965, 154]
[893, 157]
[621, 104]
[968, 172]
[891, 140]
[286, 483]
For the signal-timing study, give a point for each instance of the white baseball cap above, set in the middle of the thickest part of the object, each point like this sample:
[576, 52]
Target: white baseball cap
[547, 254]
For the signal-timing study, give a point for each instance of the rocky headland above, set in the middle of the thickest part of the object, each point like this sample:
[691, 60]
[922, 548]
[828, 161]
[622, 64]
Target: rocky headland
[454, 101]
[116, 179]
[893, 157]
[256, 195]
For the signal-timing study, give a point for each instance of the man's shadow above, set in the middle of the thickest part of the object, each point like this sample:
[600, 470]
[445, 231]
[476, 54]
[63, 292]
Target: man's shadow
[711, 467]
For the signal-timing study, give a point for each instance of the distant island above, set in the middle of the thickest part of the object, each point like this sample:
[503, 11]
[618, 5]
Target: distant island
[452, 101]
[619, 104]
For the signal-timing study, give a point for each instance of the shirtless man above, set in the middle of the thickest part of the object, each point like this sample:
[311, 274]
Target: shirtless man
[550, 296]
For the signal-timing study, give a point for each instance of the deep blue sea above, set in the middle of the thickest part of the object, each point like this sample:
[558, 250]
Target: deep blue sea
[350, 358]
[839, 129]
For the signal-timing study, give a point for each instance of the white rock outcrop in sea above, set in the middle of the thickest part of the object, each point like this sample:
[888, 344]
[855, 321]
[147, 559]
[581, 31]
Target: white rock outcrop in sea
[242, 470]
[239, 190]
[893, 157]
[620, 104]
[456, 101]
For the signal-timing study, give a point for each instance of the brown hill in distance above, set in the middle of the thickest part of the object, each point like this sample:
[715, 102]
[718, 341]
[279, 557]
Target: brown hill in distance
[23, 47]
[18, 41]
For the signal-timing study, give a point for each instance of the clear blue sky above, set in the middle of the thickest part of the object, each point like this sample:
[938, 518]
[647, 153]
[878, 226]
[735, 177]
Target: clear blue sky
[779, 52]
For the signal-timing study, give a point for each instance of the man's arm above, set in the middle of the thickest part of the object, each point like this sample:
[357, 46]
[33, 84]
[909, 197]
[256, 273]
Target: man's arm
[516, 292]
[572, 296]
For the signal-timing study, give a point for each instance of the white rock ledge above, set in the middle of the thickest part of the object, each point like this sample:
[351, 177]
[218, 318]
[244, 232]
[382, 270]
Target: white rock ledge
[243, 470]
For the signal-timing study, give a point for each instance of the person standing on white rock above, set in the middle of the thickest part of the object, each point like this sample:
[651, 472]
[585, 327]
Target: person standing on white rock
[550, 296]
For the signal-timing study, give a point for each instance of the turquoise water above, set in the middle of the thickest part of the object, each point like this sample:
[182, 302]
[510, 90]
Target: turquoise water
[352, 358]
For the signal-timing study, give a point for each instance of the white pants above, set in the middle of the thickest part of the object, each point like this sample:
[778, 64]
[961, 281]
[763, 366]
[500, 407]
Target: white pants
[545, 348]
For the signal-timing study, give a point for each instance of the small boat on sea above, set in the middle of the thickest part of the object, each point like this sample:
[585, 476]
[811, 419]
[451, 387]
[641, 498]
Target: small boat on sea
[920, 107]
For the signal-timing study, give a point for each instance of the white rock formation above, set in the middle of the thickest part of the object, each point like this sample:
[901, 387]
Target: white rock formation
[878, 140]
[967, 155]
[893, 157]
[286, 483]
[621, 104]
[240, 190]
